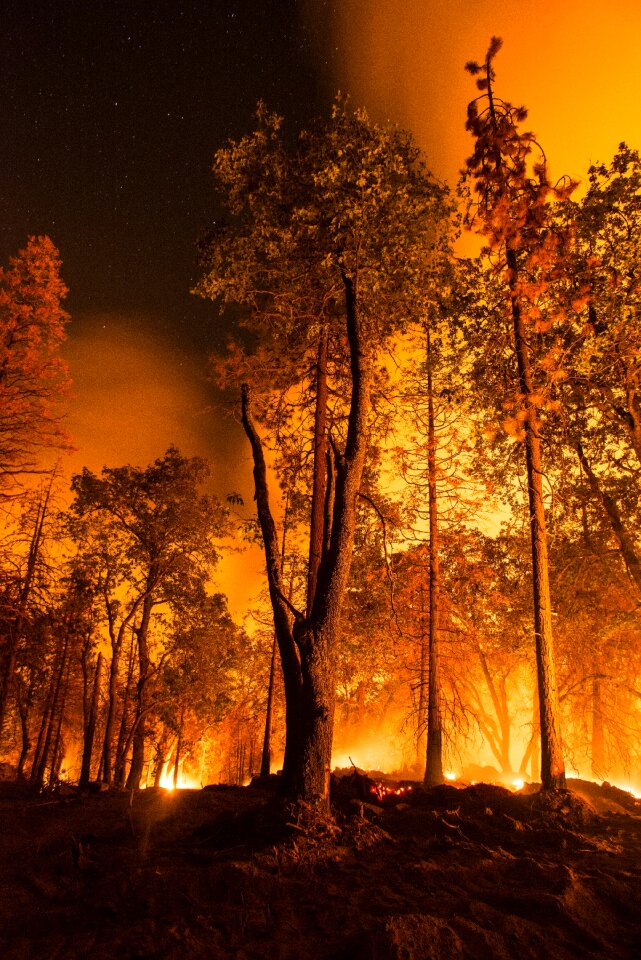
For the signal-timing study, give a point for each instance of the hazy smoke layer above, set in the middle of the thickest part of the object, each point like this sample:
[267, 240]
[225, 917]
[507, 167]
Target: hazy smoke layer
[573, 66]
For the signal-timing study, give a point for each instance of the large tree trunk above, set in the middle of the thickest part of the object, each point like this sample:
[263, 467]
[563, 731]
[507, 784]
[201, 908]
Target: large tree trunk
[307, 643]
[552, 763]
[434, 755]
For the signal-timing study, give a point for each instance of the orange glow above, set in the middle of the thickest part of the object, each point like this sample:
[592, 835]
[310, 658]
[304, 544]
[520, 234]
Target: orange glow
[382, 790]
[184, 782]
[574, 65]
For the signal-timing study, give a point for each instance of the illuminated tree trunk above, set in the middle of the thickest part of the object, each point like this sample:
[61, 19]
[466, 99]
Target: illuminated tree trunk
[552, 764]
[434, 755]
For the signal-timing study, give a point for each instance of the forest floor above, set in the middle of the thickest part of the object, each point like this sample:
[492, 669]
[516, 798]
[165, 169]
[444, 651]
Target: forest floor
[454, 872]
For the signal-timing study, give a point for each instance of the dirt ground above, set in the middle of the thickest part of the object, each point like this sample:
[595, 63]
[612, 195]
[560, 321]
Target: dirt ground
[455, 872]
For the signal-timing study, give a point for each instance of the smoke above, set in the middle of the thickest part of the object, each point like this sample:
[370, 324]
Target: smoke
[571, 65]
[135, 394]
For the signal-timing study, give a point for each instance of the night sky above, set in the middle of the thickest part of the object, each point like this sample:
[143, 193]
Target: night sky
[112, 110]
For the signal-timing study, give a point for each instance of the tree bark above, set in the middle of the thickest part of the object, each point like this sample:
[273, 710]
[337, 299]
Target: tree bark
[552, 763]
[307, 644]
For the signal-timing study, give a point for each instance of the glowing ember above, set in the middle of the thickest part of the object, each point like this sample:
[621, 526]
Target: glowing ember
[382, 790]
[518, 784]
[450, 776]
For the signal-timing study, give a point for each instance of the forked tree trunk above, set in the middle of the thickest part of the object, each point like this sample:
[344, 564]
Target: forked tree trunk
[307, 642]
[552, 763]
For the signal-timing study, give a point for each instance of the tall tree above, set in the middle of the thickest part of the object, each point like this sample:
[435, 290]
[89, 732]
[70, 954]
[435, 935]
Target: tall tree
[513, 211]
[326, 237]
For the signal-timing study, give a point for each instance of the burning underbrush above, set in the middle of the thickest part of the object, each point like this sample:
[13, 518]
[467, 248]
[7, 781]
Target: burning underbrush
[397, 871]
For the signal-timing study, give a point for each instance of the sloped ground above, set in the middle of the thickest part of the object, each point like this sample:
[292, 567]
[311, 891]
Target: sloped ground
[450, 873]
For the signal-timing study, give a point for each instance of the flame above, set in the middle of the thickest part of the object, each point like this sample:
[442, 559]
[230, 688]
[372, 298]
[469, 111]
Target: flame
[450, 776]
[382, 790]
[184, 782]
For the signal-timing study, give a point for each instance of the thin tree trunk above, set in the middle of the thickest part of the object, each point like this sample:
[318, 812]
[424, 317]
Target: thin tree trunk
[57, 752]
[421, 723]
[179, 743]
[90, 731]
[598, 732]
[144, 669]
[16, 627]
[38, 771]
[121, 745]
[24, 710]
[319, 486]
[434, 755]
[552, 763]
[266, 756]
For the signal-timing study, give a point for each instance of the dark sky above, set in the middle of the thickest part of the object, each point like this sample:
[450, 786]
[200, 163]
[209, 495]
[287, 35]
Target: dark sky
[111, 112]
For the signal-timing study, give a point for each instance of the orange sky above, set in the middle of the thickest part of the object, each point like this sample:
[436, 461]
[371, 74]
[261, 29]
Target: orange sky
[573, 63]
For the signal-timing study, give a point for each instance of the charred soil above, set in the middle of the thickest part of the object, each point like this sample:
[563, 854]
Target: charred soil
[474, 872]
